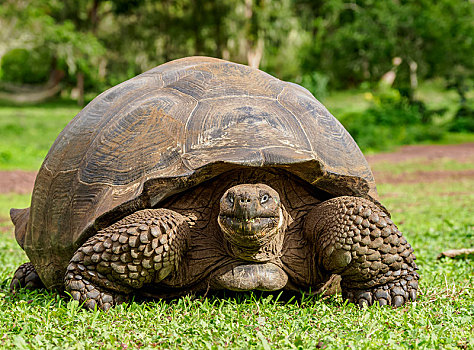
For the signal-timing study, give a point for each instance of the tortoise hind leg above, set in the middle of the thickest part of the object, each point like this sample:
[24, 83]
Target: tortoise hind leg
[357, 240]
[26, 277]
[142, 248]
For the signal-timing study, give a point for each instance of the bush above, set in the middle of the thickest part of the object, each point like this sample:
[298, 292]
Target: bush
[26, 67]
[392, 120]
[463, 120]
[317, 84]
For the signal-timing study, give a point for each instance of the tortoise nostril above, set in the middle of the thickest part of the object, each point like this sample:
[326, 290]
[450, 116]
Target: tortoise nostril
[244, 200]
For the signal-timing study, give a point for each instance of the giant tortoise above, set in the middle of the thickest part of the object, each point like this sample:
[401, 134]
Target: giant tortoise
[200, 175]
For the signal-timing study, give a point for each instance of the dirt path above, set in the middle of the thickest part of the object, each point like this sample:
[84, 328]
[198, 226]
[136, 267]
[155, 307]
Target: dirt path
[424, 156]
[461, 153]
[22, 182]
[17, 181]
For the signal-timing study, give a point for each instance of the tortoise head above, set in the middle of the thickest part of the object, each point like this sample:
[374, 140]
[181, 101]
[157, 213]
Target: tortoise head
[250, 215]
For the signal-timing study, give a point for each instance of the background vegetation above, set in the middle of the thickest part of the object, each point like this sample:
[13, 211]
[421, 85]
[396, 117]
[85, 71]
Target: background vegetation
[393, 72]
[386, 49]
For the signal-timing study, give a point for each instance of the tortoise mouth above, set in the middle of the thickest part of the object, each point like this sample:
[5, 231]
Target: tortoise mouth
[249, 232]
[256, 226]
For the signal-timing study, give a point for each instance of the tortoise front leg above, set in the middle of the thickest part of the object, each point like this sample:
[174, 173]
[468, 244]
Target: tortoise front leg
[357, 240]
[142, 248]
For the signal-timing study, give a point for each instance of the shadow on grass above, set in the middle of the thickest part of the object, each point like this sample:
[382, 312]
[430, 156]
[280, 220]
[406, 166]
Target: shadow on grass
[46, 298]
[297, 298]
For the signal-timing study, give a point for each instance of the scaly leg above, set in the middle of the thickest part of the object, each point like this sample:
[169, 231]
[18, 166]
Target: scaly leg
[26, 277]
[357, 240]
[142, 248]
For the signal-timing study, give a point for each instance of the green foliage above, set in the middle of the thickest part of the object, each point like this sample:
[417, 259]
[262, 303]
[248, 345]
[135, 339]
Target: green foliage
[56, 41]
[449, 48]
[348, 42]
[357, 41]
[317, 84]
[26, 66]
[463, 120]
[75, 50]
[392, 120]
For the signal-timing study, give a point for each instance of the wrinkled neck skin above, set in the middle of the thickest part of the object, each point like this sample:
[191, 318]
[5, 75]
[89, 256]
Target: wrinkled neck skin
[253, 222]
[268, 252]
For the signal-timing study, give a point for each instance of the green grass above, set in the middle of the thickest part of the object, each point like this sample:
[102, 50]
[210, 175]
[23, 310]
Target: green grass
[433, 93]
[8, 201]
[422, 165]
[27, 132]
[433, 216]
[342, 102]
[451, 138]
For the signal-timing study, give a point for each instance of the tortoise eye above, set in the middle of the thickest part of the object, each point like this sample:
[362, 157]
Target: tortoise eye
[264, 198]
[230, 198]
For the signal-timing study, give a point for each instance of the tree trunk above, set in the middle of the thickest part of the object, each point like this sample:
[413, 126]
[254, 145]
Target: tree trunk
[413, 78]
[254, 54]
[31, 97]
[254, 43]
[217, 28]
[80, 88]
[197, 23]
[33, 93]
[93, 16]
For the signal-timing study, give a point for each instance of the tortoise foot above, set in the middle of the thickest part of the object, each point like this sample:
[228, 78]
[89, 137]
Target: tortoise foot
[26, 277]
[395, 293]
[358, 240]
[92, 295]
[140, 249]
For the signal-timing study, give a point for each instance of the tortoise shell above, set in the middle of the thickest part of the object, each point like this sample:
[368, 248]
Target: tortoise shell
[169, 129]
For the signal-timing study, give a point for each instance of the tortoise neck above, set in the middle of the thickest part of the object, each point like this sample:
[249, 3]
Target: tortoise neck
[265, 253]
[270, 251]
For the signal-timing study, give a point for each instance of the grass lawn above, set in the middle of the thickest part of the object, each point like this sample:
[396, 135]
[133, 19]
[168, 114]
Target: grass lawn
[27, 132]
[432, 93]
[433, 216]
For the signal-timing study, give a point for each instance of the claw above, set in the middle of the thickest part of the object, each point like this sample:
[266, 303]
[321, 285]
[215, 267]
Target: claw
[366, 296]
[382, 294]
[395, 293]
[90, 304]
[398, 291]
[398, 300]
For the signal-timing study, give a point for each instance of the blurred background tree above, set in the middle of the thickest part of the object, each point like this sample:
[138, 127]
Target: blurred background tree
[82, 47]
[349, 42]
